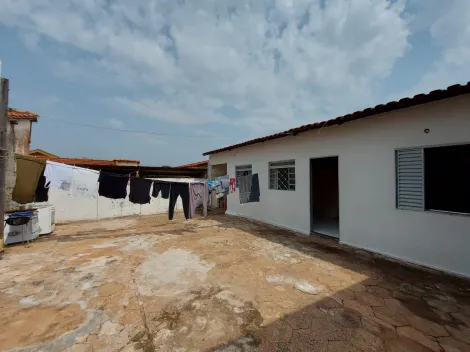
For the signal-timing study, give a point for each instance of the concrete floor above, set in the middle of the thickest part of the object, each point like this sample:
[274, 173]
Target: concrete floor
[219, 284]
[327, 227]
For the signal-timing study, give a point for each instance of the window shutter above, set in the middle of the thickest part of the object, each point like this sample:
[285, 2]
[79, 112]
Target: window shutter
[410, 179]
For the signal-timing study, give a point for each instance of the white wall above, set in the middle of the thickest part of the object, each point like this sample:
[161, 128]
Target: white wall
[368, 215]
[69, 208]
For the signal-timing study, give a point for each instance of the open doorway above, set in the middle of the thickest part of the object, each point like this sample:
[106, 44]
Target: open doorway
[324, 186]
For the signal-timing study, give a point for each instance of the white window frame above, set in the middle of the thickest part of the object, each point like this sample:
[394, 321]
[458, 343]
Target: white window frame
[242, 170]
[274, 173]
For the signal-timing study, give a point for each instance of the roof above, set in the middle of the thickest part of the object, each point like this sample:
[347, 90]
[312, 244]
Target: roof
[198, 164]
[128, 160]
[22, 114]
[82, 161]
[449, 92]
[42, 153]
[152, 171]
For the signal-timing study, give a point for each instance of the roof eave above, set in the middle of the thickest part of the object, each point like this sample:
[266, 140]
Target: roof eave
[419, 99]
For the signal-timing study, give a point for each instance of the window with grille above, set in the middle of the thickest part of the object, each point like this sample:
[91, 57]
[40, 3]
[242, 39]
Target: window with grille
[282, 175]
[242, 170]
[434, 179]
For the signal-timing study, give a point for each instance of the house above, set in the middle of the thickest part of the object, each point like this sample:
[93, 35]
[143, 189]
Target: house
[197, 165]
[392, 179]
[200, 165]
[42, 154]
[19, 129]
[85, 162]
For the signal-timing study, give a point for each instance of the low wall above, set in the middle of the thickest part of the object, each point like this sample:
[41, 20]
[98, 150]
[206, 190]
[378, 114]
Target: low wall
[69, 208]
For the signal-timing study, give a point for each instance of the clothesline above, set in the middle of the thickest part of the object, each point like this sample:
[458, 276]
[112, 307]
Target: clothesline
[100, 171]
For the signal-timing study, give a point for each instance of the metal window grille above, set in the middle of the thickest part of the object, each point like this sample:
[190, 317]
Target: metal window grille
[282, 175]
[410, 178]
[242, 170]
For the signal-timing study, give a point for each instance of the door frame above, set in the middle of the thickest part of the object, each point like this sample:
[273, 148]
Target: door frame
[312, 217]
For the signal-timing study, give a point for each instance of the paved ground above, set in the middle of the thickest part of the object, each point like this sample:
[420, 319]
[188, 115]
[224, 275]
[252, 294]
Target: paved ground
[219, 284]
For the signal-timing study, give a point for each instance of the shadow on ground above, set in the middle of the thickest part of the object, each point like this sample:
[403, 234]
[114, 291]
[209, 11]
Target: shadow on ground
[397, 308]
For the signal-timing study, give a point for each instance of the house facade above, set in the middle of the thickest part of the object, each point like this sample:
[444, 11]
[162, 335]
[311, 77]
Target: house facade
[393, 179]
[19, 130]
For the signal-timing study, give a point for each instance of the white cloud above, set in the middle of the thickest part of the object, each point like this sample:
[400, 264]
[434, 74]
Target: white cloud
[277, 63]
[448, 23]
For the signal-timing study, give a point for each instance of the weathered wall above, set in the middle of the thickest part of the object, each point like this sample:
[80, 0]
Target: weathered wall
[23, 136]
[368, 215]
[10, 169]
[18, 141]
[69, 208]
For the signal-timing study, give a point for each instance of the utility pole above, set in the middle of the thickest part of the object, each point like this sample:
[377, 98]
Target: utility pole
[3, 150]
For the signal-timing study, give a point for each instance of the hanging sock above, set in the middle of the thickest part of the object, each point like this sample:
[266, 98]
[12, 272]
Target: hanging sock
[233, 185]
[112, 186]
[182, 190]
[140, 190]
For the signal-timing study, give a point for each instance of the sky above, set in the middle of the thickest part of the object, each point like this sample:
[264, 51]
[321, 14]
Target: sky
[196, 75]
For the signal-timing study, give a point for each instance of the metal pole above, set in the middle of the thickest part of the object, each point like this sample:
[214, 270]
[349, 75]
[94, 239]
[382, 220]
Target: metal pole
[3, 147]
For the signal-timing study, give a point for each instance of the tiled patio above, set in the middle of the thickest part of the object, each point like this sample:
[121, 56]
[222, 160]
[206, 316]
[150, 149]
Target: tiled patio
[219, 284]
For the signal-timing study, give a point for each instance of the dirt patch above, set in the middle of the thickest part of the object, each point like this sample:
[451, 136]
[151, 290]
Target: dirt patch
[211, 319]
[173, 272]
[39, 324]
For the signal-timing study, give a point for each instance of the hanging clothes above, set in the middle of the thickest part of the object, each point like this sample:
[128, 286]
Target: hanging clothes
[28, 172]
[233, 185]
[84, 182]
[140, 190]
[59, 175]
[42, 190]
[179, 189]
[249, 189]
[224, 184]
[163, 186]
[198, 194]
[112, 186]
[213, 198]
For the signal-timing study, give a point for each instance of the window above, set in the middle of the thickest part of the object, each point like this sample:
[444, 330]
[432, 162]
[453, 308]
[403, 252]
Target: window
[242, 170]
[282, 175]
[435, 179]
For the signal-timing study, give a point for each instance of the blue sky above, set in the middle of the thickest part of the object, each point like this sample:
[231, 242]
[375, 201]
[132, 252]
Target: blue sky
[212, 73]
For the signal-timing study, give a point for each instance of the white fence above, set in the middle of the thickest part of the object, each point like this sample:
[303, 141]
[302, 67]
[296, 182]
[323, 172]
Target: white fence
[69, 208]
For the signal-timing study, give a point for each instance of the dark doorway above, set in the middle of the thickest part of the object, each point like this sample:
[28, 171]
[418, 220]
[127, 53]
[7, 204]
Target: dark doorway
[324, 185]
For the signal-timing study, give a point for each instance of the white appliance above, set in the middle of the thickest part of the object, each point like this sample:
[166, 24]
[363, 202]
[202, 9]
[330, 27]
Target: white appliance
[21, 233]
[46, 213]
[46, 219]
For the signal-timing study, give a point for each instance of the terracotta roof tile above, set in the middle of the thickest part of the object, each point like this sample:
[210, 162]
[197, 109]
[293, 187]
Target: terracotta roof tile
[449, 92]
[83, 161]
[203, 163]
[128, 160]
[22, 114]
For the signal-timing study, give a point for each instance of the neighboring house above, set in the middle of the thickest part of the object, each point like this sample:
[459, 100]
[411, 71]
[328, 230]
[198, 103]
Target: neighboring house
[85, 162]
[197, 165]
[200, 165]
[393, 179]
[42, 154]
[20, 127]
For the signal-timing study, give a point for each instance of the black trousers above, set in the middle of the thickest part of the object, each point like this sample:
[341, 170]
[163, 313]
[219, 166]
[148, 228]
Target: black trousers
[161, 186]
[182, 190]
